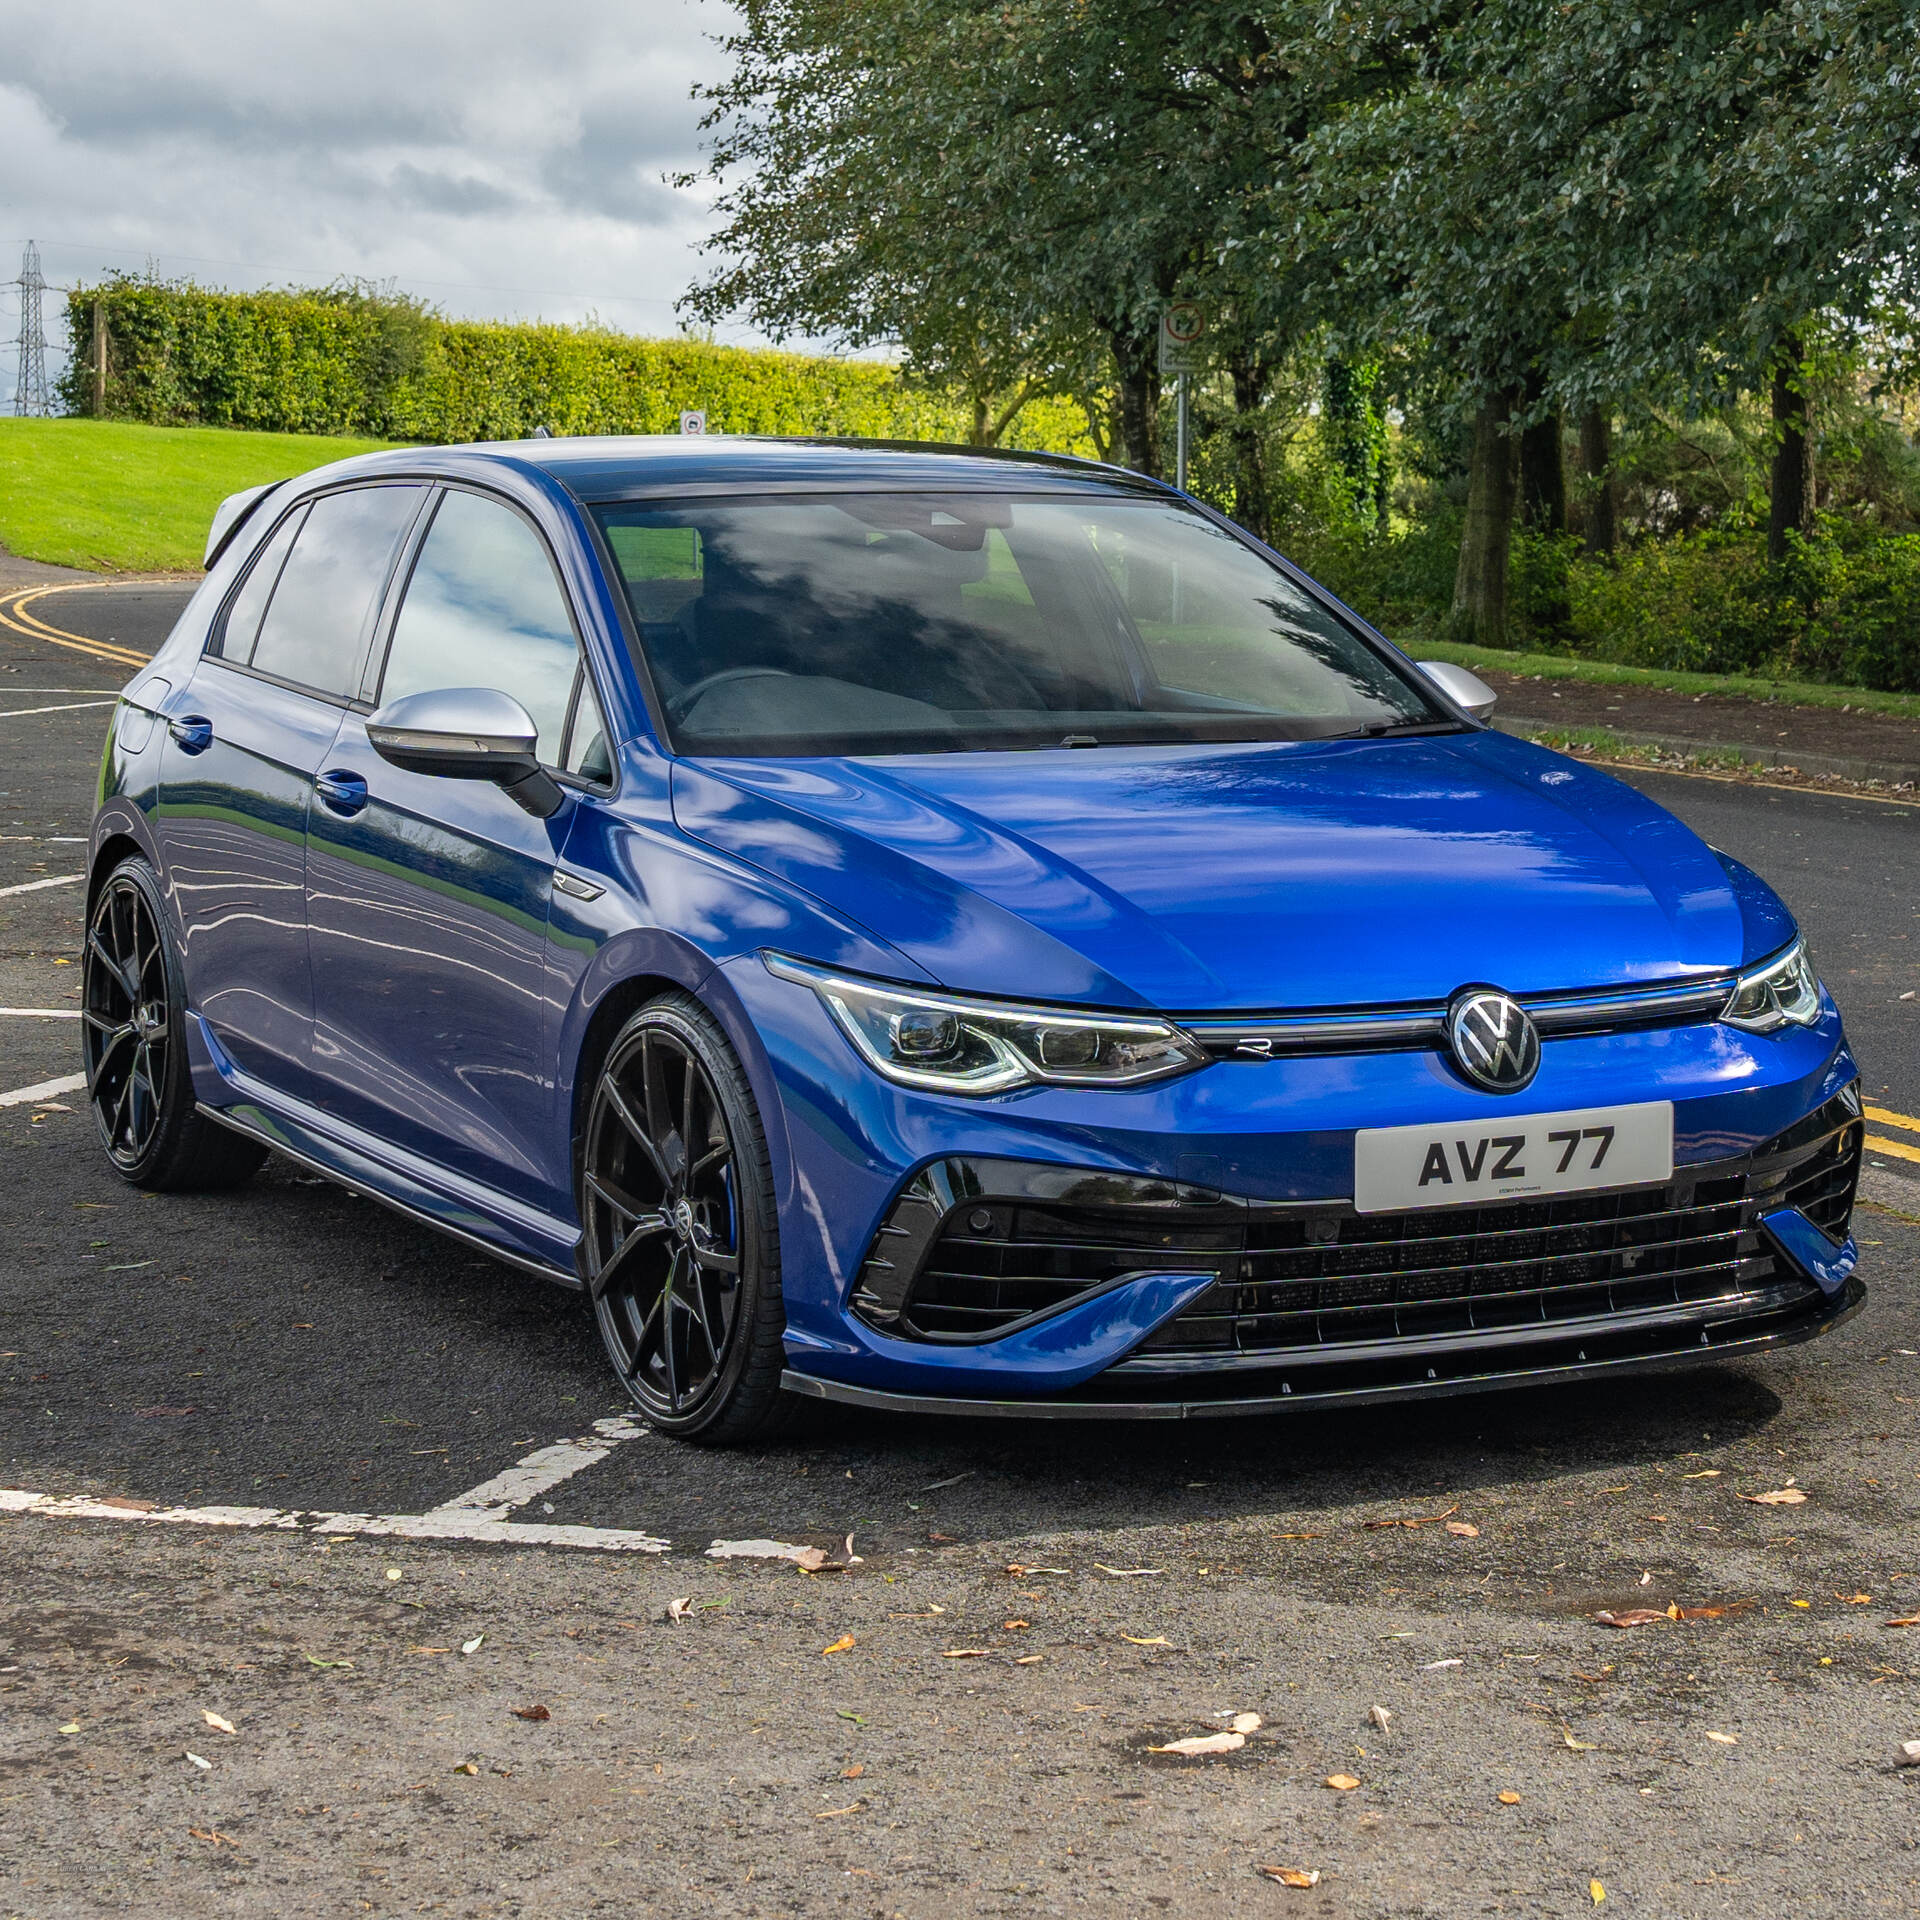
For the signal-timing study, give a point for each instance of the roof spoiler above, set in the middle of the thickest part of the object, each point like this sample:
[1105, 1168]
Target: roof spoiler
[231, 515]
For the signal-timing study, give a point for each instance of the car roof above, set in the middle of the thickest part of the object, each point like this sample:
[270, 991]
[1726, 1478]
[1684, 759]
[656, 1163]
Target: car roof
[598, 468]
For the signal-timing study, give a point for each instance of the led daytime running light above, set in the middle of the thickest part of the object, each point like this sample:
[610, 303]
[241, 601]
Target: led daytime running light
[1781, 992]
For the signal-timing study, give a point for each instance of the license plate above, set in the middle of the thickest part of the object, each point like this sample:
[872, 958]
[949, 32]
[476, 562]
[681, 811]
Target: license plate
[1474, 1162]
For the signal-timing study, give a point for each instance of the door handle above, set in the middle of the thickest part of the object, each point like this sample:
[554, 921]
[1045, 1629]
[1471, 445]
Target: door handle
[341, 792]
[191, 733]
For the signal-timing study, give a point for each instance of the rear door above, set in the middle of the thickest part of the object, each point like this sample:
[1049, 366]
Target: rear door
[247, 734]
[428, 897]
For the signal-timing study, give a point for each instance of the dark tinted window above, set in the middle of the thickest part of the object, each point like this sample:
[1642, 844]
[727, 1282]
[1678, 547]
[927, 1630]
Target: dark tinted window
[916, 622]
[243, 617]
[315, 631]
[484, 609]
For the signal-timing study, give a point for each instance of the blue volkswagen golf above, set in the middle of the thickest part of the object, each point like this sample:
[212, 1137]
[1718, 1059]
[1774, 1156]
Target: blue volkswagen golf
[944, 931]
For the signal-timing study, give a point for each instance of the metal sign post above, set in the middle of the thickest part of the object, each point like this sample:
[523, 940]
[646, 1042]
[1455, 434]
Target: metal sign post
[1182, 323]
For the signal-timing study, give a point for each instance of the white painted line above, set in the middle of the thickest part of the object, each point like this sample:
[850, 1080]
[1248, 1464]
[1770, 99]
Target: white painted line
[39, 1013]
[43, 1090]
[478, 1515]
[36, 886]
[538, 1473]
[72, 706]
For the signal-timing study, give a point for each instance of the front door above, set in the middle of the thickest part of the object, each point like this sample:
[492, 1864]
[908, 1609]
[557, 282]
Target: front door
[427, 897]
[246, 736]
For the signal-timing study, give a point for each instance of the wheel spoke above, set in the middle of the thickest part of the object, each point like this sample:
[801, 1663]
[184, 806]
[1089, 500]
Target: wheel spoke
[631, 1121]
[667, 1304]
[620, 1200]
[648, 1227]
[715, 1261]
[112, 965]
[713, 1157]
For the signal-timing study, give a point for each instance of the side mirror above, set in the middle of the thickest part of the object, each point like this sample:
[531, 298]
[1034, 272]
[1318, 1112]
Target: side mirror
[1466, 690]
[468, 733]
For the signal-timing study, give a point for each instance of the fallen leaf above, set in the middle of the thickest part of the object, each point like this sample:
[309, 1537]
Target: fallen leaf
[1434, 1666]
[1909, 1755]
[1245, 1723]
[1340, 1782]
[1908, 1620]
[1021, 1571]
[1709, 1473]
[967, 1653]
[942, 1539]
[934, 1486]
[1127, 1573]
[1805, 1606]
[473, 1645]
[73, 1726]
[534, 1712]
[842, 1645]
[1783, 1497]
[1633, 1617]
[313, 1660]
[1855, 1599]
[1509, 1798]
[1422, 1520]
[216, 1723]
[1197, 1746]
[205, 1766]
[853, 1772]
[466, 1766]
[1725, 1739]
[1015, 1626]
[834, 1813]
[1297, 1536]
[213, 1837]
[1578, 1746]
[1029, 1659]
[1158, 1640]
[394, 1573]
[1598, 1892]
[679, 1609]
[1464, 1529]
[1379, 1716]
[1292, 1876]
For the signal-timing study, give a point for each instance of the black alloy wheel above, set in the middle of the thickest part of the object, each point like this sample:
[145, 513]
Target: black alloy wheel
[132, 1013]
[679, 1250]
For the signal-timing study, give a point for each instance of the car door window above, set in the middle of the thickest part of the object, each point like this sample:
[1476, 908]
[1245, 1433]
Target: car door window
[315, 631]
[243, 616]
[484, 608]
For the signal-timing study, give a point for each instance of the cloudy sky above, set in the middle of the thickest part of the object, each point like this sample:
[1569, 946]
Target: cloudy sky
[495, 157]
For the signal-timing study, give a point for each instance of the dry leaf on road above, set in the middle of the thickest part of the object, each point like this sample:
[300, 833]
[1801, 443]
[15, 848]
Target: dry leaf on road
[1422, 1520]
[853, 1772]
[1578, 1746]
[1633, 1617]
[1463, 1529]
[1158, 1640]
[534, 1712]
[679, 1609]
[216, 1723]
[1197, 1745]
[834, 1813]
[1340, 1782]
[1909, 1755]
[1124, 1573]
[1029, 1659]
[1434, 1666]
[213, 1837]
[205, 1766]
[1781, 1497]
[466, 1766]
[1292, 1876]
[474, 1645]
[1245, 1723]
[1380, 1716]
[842, 1645]
[1907, 1620]
[1597, 1891]
[1725, 1739]
[934, 1486]
[1509, 1798]
[967, 1653]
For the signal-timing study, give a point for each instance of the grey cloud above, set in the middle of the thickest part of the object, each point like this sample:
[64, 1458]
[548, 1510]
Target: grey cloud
[466, 197]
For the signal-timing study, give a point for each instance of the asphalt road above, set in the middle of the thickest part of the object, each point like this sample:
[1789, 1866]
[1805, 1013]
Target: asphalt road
[293, 1347]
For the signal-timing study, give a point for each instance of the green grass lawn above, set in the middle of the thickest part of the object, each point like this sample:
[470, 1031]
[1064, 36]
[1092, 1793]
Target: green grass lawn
[116, 498]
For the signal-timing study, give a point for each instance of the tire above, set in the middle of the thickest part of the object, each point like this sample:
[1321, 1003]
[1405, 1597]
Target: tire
[680, 1248]
[133, 1025]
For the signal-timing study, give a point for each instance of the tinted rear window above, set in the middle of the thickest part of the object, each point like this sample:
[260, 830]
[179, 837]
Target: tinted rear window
[315, 630]
[914, 622]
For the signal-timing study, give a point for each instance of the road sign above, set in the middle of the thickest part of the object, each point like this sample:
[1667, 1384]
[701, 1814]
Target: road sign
[694, 420]
[1183, 325]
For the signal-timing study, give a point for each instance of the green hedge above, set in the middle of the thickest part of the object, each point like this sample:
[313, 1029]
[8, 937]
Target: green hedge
[343, 361]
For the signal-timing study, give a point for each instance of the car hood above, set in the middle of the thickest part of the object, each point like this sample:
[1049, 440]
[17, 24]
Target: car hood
[1233, 878]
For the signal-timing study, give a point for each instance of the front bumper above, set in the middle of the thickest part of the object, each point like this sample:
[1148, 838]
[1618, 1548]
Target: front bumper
[1192, 1248]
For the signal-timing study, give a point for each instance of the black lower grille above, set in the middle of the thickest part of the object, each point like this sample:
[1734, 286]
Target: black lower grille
[975, 1247]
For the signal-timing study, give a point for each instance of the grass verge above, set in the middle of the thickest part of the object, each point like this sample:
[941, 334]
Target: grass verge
[119, 498]
[1796, 693]
[1598, 745]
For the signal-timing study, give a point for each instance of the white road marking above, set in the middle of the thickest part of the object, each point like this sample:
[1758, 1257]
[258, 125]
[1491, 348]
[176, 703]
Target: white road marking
[36, 886]
[71, 706]
[39, 1013]
[480, 1514]
[43, 1090]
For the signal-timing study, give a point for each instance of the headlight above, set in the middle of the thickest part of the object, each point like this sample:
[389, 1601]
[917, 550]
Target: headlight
[1781, 993]
[954, 1045]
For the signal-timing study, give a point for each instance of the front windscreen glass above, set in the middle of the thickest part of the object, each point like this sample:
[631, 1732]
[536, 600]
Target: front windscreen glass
[913, 623]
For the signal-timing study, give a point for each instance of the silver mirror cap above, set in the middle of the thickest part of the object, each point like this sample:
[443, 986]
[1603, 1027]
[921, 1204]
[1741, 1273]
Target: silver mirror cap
[1466, 690]
[480, 725]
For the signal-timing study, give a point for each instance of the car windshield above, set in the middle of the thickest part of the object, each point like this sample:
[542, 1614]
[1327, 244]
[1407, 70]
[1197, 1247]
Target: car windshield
[913, 623]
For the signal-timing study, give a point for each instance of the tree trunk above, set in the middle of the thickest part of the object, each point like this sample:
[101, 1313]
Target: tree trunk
[982, 427]
[1250, 504]
[1543, 477]
[1596, 462]
[1792, 508]
[1139, 403]
[1480, 584]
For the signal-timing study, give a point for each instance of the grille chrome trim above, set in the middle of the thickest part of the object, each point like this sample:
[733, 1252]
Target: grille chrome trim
[1418, 1028]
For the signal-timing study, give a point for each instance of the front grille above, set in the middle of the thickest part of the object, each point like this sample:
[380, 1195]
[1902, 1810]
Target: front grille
[976, 1247]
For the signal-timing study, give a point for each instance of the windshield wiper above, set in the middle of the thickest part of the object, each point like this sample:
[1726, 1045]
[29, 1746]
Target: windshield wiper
[1382, 729]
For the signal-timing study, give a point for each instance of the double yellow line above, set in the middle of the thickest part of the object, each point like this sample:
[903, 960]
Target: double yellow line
[14, 616]
[1902, 1122]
